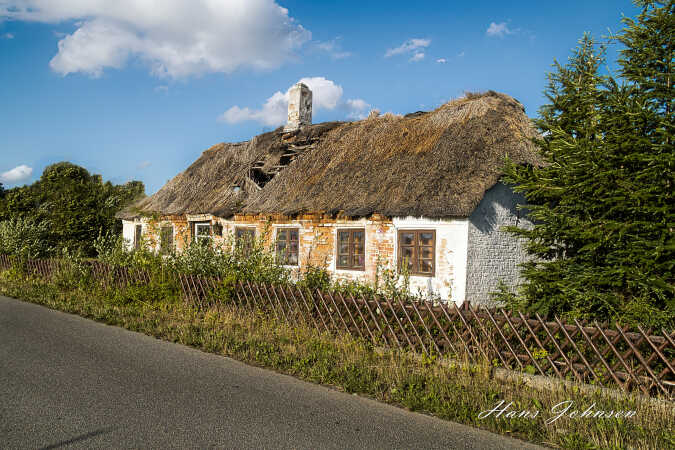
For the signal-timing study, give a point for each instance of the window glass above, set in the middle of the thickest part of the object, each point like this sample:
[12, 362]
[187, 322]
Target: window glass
[351, 249]
[287, 246]
[203, 229]
[202, 232]
[244, 238]
[426, 266]
[166, 239]
[416, 250]
[426, 252]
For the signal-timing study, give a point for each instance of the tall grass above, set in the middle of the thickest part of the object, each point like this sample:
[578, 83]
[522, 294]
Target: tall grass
[449, 390]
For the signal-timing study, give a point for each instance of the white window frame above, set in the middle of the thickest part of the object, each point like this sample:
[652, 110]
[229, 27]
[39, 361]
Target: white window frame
[206, 237]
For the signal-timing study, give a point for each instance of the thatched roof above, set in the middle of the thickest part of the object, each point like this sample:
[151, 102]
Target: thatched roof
[435, 164]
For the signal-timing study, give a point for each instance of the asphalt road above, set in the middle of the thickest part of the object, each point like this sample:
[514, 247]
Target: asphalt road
[70, 382]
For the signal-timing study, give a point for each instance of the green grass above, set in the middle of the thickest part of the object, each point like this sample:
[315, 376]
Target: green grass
[449, 391]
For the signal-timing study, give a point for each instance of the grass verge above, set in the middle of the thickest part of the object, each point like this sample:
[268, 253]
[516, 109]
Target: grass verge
[449, 391]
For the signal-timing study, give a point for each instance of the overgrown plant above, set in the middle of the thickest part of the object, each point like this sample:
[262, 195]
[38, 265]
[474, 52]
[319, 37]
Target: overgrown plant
[24, 238]
[452, 391]
[250, 260]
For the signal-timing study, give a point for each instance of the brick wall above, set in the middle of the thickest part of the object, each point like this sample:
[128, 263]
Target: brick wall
[317, 244]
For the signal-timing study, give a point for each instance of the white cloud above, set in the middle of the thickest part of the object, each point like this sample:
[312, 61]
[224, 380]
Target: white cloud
[418, 56]
[441, 60]
[498, 30]
[357, 108]
[144, 165]
[325, 95]
[16, 175]
[175, 38]
[357, 104]
[7, 36]
[408, 46]
[461, 54]
[333, 48]
[162, 88]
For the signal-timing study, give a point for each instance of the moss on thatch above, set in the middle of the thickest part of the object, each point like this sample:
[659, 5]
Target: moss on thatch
[436, 164]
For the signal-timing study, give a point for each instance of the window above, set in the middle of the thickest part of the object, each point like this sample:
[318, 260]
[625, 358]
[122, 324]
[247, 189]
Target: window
[417, 249]
[287, 246]
[244, 238]
[202, 232]
[351, 249]
[137, 236]
[166, 239]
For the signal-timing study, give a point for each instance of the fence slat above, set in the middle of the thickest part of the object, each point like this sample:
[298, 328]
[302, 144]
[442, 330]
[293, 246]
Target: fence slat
[632, 360]
[643, 362]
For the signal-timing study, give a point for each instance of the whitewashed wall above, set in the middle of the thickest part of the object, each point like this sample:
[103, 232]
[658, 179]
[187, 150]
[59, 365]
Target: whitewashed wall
[494, 254]
[449, 281]
[128, 230]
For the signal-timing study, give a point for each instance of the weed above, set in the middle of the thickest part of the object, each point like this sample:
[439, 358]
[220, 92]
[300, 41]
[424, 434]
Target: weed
[450, 390]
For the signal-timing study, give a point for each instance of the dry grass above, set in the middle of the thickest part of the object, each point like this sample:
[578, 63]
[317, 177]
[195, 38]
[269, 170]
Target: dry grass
[457, 392]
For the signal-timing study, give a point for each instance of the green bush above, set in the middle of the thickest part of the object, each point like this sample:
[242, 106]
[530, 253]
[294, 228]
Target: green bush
[246, 261]
[24, 238]
[72, 203]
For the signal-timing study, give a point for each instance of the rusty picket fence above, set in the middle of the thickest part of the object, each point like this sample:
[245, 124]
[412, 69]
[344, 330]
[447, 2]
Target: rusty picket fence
[593, 353]
[43, 267]
[118, 277]
[589, 352]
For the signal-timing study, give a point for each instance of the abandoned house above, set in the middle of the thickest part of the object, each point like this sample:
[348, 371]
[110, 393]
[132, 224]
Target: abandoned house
[423, 189]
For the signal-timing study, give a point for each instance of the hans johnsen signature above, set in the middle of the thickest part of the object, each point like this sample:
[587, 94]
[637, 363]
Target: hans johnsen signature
[560, 410]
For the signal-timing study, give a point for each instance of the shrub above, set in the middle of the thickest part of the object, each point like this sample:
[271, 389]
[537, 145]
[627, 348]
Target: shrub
[24, 238]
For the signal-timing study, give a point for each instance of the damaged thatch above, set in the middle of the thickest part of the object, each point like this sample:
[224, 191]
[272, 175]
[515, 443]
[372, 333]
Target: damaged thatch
[436, 164]
[226, 175]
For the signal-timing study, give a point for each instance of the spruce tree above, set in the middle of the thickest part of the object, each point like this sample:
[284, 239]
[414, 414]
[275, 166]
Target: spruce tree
[602, 243]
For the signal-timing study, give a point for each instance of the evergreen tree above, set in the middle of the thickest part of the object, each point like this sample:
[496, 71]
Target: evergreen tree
[602, 243]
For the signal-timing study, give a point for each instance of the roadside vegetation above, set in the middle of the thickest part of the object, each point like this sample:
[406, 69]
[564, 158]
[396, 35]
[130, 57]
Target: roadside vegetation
[65, 209]
[452, 390]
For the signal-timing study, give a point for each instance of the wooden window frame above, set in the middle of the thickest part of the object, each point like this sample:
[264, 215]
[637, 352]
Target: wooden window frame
[350, 249]
[166, 248]
[238, 231]
[138, 233]
[416, 250]
[287, 251]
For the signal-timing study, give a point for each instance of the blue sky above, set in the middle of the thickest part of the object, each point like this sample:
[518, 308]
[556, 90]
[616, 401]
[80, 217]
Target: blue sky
[133, 91]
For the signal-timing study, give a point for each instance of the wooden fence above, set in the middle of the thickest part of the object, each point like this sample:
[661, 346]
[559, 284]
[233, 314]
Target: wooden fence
[578, 350]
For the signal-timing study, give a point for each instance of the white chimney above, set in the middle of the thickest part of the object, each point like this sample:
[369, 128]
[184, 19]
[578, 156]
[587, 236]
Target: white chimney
[299, 107]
